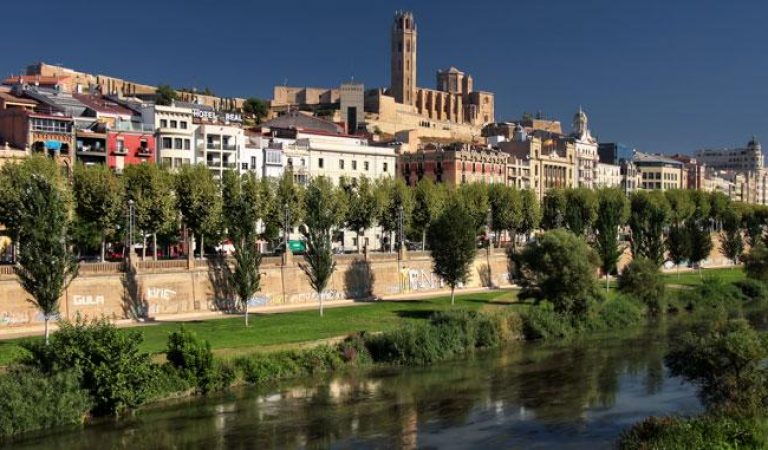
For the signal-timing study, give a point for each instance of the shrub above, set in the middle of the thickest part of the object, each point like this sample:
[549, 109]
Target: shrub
[756, 263]
[620, 312]
[353, 349]
[111, 367]
[714, 295]
[262, 368]
[194, 360]
[32, 401]
[753, 290]
[726, 362]
[560, 267]
[706, 432]
[642, 280]
[543, 322]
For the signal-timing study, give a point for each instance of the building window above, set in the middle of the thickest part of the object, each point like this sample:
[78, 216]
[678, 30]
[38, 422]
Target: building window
[163, 123]
[320, 163]
[167, 142]
[253, 162]
[244, 166]
[174, 124]
[366, 165]
[386, 166]
[178, 143]
[167, 162]
[341, 164]
[183, 124]
[120, 148]
[187, 144]
[354, 165]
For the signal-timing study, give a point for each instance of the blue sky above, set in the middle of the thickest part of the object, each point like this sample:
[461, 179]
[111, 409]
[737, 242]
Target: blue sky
[668, 76]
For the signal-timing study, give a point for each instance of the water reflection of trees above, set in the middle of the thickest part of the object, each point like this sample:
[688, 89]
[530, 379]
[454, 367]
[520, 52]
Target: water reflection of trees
[390, 408]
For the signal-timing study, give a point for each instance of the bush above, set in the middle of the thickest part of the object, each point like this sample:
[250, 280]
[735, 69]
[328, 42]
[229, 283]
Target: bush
[560, 267]
[32, 401]
[753, 290]
[706, 432]
[194, 360]
[262, 368]
[726, 361]
[713, 295]
[620, 312]
[111, 367]
[642, 280]
[756, 263]
[543, 322]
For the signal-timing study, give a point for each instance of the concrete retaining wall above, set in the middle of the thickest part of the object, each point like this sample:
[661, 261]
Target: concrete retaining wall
[160, 288]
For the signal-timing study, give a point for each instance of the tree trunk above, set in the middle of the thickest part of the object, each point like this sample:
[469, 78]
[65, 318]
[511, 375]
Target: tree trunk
[246, 314]
[103, 245]
[143, 245]
[391, 241]
[320, 295]
[424, 240]
[360, 242]
[453, 294]
[154, 246]
[45, 320]
[606, 282]
[202, 246]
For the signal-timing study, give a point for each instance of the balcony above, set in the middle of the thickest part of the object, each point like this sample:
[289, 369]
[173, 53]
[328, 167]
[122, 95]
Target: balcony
[145, 151]
[230, 147]
[120, 151]
[134, 126]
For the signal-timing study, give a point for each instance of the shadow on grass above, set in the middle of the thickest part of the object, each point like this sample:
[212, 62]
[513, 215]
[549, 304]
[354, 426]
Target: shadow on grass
[416, 313]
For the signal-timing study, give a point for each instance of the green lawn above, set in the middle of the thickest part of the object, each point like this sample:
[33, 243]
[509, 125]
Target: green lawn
[692, 278]
[271, 331]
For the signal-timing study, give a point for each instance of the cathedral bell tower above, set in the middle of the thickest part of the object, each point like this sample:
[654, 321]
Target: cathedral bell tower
[403, 63]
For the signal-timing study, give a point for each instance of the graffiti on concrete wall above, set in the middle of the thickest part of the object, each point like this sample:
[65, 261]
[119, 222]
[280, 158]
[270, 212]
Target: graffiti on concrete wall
[154, 293]
[87, 300]
[328, 294]
[419, 279]
[7, 318]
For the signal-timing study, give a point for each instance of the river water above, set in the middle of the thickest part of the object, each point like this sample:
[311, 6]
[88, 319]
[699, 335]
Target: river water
[578, 395]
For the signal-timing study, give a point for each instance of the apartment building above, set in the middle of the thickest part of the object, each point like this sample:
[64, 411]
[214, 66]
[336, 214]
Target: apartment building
[659, 172]
[218, 146]
[174, 132]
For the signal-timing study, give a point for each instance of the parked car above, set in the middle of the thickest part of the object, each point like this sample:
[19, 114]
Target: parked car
[297, 247]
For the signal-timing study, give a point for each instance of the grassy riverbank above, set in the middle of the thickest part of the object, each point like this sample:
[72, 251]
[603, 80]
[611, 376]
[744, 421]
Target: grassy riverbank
[269, 332]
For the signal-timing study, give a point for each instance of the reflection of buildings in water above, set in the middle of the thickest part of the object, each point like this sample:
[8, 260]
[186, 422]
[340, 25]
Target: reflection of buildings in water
[409, 426]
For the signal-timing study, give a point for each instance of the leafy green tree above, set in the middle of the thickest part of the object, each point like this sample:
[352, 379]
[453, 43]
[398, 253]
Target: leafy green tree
[12, 178]
[612, 213]
[642, 280]
[362, 208]
[756, 263]
[719, 203]
[731, 242]
[99, 200]
[451, 240]
[701, 242]
[46, 264]
[474, 197]
[580, 210]
[681, 208]
[531, 213]
[727, 362]
[165, 95]
[198, 198]
[429, 201]
[289, 197]
[649, 214]
[701, 204]
[242, 210]
[753, 220]
[256, 108]
[560, 267]
[394, 196]
[324, 212]
[506, 209]
[553, 209]
[678, 245]
[151, 190]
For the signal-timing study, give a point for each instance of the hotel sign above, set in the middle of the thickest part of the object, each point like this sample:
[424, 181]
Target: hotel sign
[213, 115]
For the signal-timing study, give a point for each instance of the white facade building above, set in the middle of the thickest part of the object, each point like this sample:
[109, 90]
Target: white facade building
[217, 146]
[174, 132]
[586, 151]
[608, 175]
